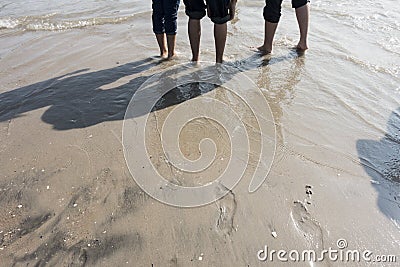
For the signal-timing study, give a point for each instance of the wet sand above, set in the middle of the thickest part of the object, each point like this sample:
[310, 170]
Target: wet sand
[67, 197]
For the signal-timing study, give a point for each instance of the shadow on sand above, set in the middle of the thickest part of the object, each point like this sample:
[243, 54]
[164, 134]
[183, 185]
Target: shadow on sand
[381, 161]
[77, 99]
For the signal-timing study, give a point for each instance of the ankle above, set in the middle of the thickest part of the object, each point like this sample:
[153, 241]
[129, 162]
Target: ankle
[195, 57]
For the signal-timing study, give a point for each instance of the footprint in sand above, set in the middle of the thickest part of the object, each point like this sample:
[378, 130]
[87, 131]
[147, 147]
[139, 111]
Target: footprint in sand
[306, 225]
[227, 209]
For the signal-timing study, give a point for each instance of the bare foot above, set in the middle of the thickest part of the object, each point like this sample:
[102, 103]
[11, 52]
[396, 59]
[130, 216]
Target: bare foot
[301, 47]
[163, 54]
[171, 56]
[264, 50]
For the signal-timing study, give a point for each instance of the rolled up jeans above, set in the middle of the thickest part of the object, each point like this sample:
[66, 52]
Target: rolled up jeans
[272, 9]
[218, 10]
[164, 17]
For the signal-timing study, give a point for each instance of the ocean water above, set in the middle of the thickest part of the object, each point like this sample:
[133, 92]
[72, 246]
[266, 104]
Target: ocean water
[63, 15]
[365, 31]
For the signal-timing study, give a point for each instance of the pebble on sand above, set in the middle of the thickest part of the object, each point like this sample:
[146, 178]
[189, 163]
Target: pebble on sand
[274, 234]
[201, 257]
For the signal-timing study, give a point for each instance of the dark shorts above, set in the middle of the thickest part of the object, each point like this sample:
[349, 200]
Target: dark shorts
[218, 10]
[164, 16]
[272, 9]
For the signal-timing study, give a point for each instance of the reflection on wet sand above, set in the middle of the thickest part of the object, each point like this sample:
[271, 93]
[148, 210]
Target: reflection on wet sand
[282, 92]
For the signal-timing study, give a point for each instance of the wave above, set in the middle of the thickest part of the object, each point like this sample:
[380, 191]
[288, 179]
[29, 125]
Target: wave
[48, 23]
[390, 44]
[393, 70]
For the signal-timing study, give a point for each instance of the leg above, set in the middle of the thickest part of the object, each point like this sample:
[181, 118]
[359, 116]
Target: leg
[220, 31]
[171, 13]
[220, 12]
[158, 26]
[269, 33]
[194, 37]
[303, 15]
[272, 14]
[161, 43]
[196, 10]
[171, 40]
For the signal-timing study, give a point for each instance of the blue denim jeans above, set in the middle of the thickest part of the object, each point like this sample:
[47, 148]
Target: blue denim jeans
[165, 13]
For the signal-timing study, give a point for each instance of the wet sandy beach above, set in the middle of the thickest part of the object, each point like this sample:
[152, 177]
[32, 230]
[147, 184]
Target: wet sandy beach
[67, 197]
